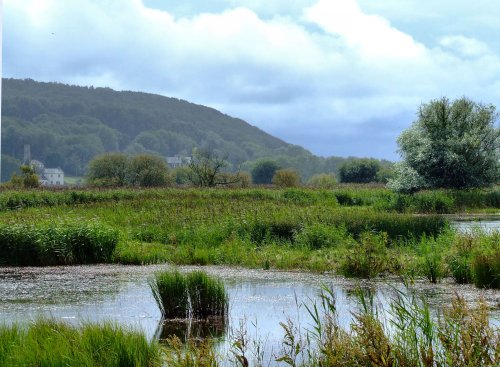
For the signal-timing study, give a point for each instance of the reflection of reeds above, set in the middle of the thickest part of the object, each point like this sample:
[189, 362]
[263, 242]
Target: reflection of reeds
[187, 330]
[194, 295]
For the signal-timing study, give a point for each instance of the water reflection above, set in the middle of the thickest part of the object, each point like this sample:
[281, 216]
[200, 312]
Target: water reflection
[188, 330]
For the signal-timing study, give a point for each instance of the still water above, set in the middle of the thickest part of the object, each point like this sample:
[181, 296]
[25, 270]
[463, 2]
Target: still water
[259, 299]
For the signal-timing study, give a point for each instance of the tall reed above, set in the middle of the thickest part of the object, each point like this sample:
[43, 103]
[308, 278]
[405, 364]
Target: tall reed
[193, 295]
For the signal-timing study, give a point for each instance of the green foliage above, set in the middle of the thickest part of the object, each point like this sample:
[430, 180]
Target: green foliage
[323, 181]
[368, 258]
[109, 169]
[263, 172]
[359, 170]
[193, 295]
[286, 178]
[118, 169]
[47, 342]
[50, 244]
[28, 179]
[208, 169]
[147, 171]
[451, 145]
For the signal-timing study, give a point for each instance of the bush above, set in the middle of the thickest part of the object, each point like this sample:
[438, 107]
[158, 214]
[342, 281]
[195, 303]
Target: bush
[286, 178]
[263, 171]
[359, 170]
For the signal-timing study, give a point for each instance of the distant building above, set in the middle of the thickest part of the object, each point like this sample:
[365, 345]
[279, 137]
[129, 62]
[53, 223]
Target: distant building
[174, 162]
[52, 177]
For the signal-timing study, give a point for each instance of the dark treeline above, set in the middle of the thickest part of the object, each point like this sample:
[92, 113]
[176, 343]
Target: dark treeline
[67, 126]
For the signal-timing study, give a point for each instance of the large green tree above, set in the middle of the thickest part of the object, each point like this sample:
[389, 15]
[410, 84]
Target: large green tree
[451, 145]
[361, 170]
[263, 171]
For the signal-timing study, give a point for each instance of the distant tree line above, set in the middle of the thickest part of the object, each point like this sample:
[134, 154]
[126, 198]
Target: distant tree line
[67, 126]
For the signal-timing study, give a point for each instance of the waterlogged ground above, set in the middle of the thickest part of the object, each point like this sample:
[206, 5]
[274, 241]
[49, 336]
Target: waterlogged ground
[259, 299]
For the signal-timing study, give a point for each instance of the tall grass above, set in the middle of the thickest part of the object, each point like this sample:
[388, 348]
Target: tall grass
[193, 295]
[410, 336]
[46, 342]
[56, 244]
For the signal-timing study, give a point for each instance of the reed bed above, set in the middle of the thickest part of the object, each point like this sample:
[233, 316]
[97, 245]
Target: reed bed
[56, 244]
[46, 342]
[194, 295]
[405, 332]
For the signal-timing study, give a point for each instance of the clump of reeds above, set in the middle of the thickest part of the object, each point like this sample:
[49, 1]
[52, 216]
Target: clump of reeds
[460, 336]
[195, 295]
[56, 244]
[47, 342]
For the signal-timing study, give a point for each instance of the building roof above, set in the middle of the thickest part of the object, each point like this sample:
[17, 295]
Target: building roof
[51, 171]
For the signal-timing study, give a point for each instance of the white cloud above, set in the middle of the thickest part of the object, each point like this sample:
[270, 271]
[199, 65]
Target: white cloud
[336, 71]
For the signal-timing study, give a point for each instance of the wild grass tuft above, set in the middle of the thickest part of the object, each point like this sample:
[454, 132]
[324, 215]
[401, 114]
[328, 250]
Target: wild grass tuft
[47, 342]
[193, 295]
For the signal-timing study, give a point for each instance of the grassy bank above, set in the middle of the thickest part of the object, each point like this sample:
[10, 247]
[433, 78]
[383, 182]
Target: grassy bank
[354, 231]
[51, 343]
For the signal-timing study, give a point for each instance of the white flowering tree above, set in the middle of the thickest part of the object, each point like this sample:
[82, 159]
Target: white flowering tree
[451, 145]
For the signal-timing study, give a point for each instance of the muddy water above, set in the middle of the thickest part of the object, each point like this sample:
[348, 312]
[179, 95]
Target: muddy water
[259, 299]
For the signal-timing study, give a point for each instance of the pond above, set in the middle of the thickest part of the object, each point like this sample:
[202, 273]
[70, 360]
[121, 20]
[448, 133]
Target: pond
[259, 299]
[467, 223]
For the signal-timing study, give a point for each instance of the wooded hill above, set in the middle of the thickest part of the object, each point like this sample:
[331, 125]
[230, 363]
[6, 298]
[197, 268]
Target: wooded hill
[67, 126]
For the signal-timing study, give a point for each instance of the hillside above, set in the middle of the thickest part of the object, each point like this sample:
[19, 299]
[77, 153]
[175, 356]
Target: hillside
[68, 125]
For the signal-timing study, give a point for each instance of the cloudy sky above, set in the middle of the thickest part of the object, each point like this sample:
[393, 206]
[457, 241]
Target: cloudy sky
[339, 77]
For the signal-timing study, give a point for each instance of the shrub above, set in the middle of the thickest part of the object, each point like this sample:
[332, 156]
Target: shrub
[286, 178]
[359, 170]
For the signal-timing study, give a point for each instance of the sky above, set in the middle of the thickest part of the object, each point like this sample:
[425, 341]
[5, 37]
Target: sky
[338, 77]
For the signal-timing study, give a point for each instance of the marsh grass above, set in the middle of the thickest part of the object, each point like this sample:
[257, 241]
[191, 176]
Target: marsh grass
[46, 342]
[56, 244]
[194, 295]
[459, 336]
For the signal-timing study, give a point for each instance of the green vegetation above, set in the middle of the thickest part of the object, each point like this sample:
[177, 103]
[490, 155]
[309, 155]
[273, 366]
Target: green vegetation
[286, 178]
[46, 342]
[404, 333]
[194, 295]
[263, 171]
[322, 181]
[118, 169]
[359, 171]
[56, 244]
[451, 145]
[357, 231]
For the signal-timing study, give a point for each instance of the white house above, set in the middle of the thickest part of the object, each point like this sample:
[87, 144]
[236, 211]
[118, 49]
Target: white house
[53, 177]
[178, 161]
